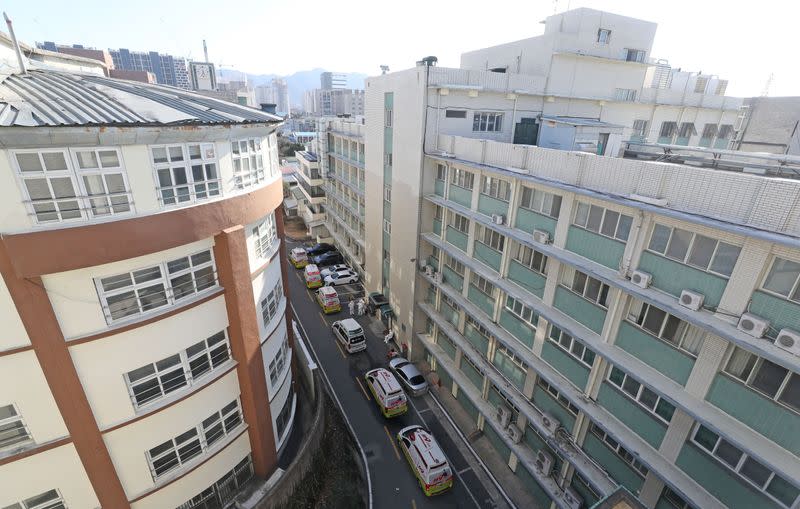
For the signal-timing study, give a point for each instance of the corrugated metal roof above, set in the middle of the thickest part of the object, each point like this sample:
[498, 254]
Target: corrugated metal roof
[52, 98]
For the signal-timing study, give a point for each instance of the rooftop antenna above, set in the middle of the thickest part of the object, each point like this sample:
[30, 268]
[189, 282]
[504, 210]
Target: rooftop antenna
[384, 69]
[205, 50]
[767, 85]
[23, 69]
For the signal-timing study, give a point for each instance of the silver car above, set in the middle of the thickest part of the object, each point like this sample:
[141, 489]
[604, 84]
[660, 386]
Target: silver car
[409, 376]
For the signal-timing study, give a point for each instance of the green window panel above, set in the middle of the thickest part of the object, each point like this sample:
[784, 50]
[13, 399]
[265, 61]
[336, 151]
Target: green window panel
[673, 277]
[526, 278]
[533, 487]
[497, 442]
[473, 374]
[387, 209]
[665, 140]
[437, 226]
[438, 188]
[388, 100]
[387, 140]
[387, 174]
[517, 327]
[682, 140]
[476, 339]
[487, 255]
[619, 470]
[386, 240]
[780, 312]
[721, 143]
[565, 364]
[450, 314]
[545, 402]
[468, 407]
[535, 443]
[480, 299]
[580, 309]
[725, 485]
[452, 278]
[461, 196]
[763, 415]
[445, 378]
[456, 238]
[595, 247]
[527, 220]
[635, 417]
[488, 205]
[704, 142]
[667, 360]
[586, 493]
[513, 372]
[448, 347]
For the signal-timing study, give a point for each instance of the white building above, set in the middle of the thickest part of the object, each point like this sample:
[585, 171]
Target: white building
[277, 93]
[334, 102]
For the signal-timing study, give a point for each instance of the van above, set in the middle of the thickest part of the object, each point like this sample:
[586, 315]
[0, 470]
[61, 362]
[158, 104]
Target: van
[298, 257]
[328, 299]
[313, 277]
[427, 460]
[350, 334]
[387, 392]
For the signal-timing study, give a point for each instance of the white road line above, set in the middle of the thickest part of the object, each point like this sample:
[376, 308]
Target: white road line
[464, 470]
[339, 404]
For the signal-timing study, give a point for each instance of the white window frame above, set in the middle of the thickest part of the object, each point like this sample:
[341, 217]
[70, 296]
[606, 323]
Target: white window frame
[583, 285]
[638, 313]
[18, 423]
[54, 500]
[686, 259]
[603, 36]
[496, 188]
[462, 178]
[639, 55]
[247, 150]
[752, 365]
[622, 453]
[625, 94]
[487, 122]
[458, 222]
[387, 194]
[560, 398]
[572, 347]
[279, 363]
[480, 329]
[211, 187]
[388, 114]
[640, 127]
[525, 313]
[490, 238]
[441, 172]
[793, 295]
[541, 202]
[482, 284]
[265, 235]
[620, 233]
[529, 257]
[454, 265]
[271, 303]
[641, 391]
[387, 226]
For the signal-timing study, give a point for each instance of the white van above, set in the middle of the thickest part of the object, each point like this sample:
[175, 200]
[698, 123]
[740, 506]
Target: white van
[350, 334]
[387, 392]
[427, 460]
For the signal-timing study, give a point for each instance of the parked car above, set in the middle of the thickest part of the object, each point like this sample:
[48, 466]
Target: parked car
[328, 259]
[350, 335]
[328, 300]
[409, 376]
[426, 459]
[333, 268]
[341, 277]
[319, 249]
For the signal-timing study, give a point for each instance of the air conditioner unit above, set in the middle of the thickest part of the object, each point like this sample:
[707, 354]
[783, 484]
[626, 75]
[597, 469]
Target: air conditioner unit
[438, 277]
[502, 415]
[572, 499]
[541, 236]
[753, 325]
[641, 279]
[544, 462]
[498, 218]
[789, 340]
[429, 270]
[514, 433]
[691, 300]
[550, 422]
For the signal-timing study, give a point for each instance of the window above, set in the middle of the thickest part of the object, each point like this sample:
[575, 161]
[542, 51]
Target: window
[282, 421]
[784, 279]
[701, 84]
[48, 500]
[482, 284]
[725, 132]
[458, 222]
[640, 128]
[687, 130]
[558, 396]
[264, 235]
[387, 194]
[747, 467]
[624, 94]
[144, 290]
[511, 367]
[270, 303]
[462, 178]
[387, 117]
[186, 173]
[587, 287]
[543, 202]
[572, 346]
[280, 361]
[606, 222]
[455, 113]
[771, 380]
[646, 398]
[438, 212]
[248, 163]
[488, 237]
[496, 188]
[603, 36]
[694, 249]
[634, 55]
[222, 491]
[454, 265]
[154, 381]
[665, 326]
[674, 500]
[13, 431]
[441, 172]
[620, 451]
[487, 122]
[709, 131]
[177, 451]
[530, 258]
[521, 311]
[387, 159]
[66, 185]
[668, 129]
[477, 327]
[387, 226]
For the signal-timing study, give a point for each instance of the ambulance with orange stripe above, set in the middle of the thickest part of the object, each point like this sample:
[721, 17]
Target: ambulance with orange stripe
[427, 460]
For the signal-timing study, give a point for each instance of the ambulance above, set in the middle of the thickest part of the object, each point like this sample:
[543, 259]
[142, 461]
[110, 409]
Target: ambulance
[298, 257]
[313, 277]
[328, 299]
[387, 392]
[427, 460]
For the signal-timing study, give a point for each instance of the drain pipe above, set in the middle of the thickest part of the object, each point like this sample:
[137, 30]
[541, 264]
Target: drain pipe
[23, 68]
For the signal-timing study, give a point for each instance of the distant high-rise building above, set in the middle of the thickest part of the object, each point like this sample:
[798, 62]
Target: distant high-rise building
[336, 102]
[331, 80]
[169, 70]
[277, 92]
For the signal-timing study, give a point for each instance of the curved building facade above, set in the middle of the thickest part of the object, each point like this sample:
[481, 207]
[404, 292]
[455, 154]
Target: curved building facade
[145, 359]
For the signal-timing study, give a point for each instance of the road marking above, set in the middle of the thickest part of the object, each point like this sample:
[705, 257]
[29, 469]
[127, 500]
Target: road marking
[322, 317]
[336, 342]
[391, 441]
[423, 410]
[361, 386]
[464, 470]
[413, 504]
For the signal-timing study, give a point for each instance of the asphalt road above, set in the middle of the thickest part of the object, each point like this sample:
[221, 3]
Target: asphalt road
[393, 483]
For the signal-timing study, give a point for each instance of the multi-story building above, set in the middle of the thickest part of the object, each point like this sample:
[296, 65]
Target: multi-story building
[334, 102]
[331, 80]
[603, 320]
[769, 124]
[169, 70]
[311, 206]
[145, 359]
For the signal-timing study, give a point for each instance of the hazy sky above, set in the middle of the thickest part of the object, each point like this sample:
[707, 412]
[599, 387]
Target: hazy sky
[743, 41]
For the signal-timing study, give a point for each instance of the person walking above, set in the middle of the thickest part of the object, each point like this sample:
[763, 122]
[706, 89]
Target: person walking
[360, 307]
[352, 306]
[388, 337]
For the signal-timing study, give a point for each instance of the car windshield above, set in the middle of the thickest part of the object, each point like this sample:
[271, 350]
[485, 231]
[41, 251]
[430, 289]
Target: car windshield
[417, 380]
[400, 365]
[357, 339]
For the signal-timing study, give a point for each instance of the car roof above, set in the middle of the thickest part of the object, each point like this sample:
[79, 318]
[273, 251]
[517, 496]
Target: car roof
[386, 379]
[328, 290]
[312, 268]
[397, 360]
[426, 446]
[298, 250]
[350, 324]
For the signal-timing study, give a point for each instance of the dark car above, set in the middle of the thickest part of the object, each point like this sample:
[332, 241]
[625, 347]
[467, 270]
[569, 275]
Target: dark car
[329, 258]
[319, 249]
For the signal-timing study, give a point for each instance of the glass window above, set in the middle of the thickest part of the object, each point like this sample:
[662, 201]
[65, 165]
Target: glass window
[769, 377]
[679, 244]
[782, 277]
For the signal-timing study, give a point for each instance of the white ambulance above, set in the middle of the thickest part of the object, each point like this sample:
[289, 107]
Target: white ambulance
[426, 459]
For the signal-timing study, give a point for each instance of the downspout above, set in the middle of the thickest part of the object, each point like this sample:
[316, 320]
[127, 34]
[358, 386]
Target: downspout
[23, 68]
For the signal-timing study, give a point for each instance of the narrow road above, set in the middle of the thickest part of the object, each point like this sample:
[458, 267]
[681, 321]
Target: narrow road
[393, 483]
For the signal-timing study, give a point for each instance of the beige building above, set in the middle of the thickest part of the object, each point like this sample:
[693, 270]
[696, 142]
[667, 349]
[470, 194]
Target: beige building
[145, 354]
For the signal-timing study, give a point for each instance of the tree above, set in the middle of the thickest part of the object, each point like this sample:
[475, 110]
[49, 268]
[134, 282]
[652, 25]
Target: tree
[287, 149]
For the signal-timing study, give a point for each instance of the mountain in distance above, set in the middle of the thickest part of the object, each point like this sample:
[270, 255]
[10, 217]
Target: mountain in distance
[298, 82]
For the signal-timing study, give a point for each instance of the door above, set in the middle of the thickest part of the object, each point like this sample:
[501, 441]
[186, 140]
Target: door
[526, 131]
